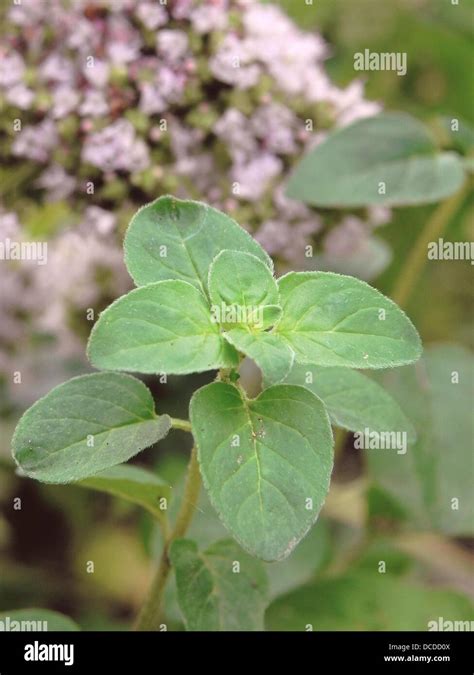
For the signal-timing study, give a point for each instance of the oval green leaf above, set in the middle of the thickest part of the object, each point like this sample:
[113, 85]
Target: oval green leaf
[368, 602]
[270, 352]
[335, 320]
[164, 327]
[353, 400]
[212, 595]
[86, 425]
[178, 239]
[432, 482]
[136, 485]
[242, 281]
[266, 463]
[388, 159]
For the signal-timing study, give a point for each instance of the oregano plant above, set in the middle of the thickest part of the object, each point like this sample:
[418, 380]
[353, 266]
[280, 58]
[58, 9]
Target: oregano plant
[206, 298]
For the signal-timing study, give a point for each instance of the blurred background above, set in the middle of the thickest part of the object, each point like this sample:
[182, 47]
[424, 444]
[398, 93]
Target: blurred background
[107, 104]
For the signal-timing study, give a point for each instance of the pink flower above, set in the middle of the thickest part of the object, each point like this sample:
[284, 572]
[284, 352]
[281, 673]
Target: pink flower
[12, 69]
[124, 41]
[172, 45]
[116, 148]
[36, 142]
[233, 63]
[181, 9]
[58, 69]
[275, 125]
[94, 104]
[9, 225]
[20, 96]
[350, 104]
[152, 15]
[345, 237]
[57, 182]
[99, 220]
[96, 74]
[208, 18]
[65, 100]
[253, 178]
[167, 88]
[234, 129]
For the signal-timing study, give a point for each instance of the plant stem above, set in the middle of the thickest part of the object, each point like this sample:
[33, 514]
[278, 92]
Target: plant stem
[416, 260]
[340, 437]
[149, 617]
[180, 424]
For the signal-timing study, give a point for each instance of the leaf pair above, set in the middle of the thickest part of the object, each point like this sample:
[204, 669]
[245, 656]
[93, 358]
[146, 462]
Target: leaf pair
[199, 272]
[329, 320]
[211, 293]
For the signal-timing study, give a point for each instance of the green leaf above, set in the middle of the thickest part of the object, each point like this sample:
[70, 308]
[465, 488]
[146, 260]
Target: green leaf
[393, 149]
[242, 281]
[220, 589]
[308, 558]
[270, 352]
[86, 425]
[334, 320]
[44, 620]
[353, 400]
[266, 463]
[365, 601]
[457, 133]
[178, 239]
[134, 484]
[164, 327]
[437, 396]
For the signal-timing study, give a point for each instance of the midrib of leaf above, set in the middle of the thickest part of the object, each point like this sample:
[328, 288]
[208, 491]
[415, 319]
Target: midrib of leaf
[243, 299]
[188, 252]
[257, 458]
[255, 453]
[173, 269]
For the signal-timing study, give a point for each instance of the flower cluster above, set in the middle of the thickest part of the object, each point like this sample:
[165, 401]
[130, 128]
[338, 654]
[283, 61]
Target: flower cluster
[120, 101]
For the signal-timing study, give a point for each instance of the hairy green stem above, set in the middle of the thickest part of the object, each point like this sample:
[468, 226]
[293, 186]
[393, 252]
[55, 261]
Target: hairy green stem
[416, 260]
[149, 618]
[180, 424]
